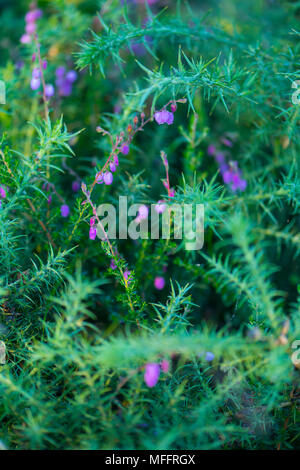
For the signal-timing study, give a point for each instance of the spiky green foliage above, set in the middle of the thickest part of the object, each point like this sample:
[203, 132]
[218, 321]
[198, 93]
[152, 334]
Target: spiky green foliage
[77, 332]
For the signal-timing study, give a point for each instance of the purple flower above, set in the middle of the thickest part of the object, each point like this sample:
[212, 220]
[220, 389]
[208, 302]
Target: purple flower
[226, 142]
[143, 212]
[2, 192]
[116, 160]
[127, 276]
[33, 15]
[211, 150]
[151, 376]
[209, 356]
[65, 211]
[60, 71]
[64, 81]
[44, 64]
[108, 178]
[35, 83]
[164, 117]
[36, 73]
[99, 178]
[25, 39]
[65, 88]
[165, 365]
[93, 233]
[71, 76]
[112, 166]
[113, 264]
[233, 177]
[125, 149]
[159, 282]
[49, 90]
[160, 207]
[30, 28]
[220, 157]
[227, 176]
[75, 186]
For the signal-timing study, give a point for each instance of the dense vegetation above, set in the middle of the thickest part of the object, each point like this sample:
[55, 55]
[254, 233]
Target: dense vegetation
[143, 344]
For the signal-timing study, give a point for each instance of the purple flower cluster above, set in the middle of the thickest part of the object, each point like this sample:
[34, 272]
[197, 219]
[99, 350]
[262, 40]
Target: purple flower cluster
[93, 229]
[35, 82]
[30, 28]
[64, 80]
[107, 176]
[233, 177]
[164, 117]
[65, 210]
[231, 174]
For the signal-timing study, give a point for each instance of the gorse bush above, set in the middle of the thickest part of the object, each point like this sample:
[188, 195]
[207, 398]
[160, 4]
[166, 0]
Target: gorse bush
[143, 344]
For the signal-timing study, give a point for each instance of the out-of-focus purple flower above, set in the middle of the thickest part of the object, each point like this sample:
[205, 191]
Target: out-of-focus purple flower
[226, 142]
[60, 71]
[143, 212]
[164, 117]
[125, 149]
[159, 282]
[19, 64]
[108, 178]
[35, 83]
[211, 150]
[49, 199]
[2, 192]
[36, 73]
[44, 64]
[112, 167]
[233, 177]
[138, 49]
[227, 176]
[160, 207]
[174, 107]
[165, 365]
[33, 15]
[25, 39]
[65, 89]
[99, 178]
[71, 76]
[152, 372]
[220, 157]
[116, 160]
[209, 356]
[65, 211]
[65, 80]
[30, 28]
[49, 90]
[75, 186]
